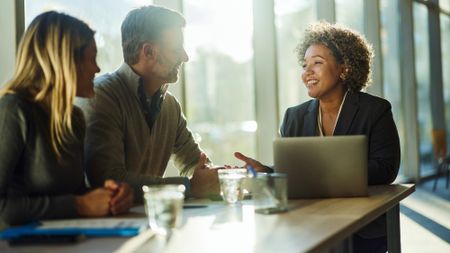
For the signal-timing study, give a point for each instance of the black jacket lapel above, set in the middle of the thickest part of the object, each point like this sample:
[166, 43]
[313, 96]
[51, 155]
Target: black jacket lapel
[348, 113]
[310, 120]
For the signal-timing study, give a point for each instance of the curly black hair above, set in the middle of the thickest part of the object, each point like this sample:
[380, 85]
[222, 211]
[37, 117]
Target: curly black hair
[347, 46]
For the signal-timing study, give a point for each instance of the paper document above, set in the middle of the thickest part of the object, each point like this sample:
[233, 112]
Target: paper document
[94, 223]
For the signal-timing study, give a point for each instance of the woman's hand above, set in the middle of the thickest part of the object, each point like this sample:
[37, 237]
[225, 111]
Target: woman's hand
[94, 203]
[122, 198]
[259, 167]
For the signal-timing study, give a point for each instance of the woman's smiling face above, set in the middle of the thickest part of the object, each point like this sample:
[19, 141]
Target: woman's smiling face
[321, 72]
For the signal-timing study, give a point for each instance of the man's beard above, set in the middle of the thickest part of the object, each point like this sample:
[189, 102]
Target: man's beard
[172, 76]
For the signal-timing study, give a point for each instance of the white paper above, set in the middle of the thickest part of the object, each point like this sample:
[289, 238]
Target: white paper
[95, 223]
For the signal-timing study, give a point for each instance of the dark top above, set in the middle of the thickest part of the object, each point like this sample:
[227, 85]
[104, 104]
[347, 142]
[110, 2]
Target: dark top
[33, 185]
[361, 114]
[151, 105]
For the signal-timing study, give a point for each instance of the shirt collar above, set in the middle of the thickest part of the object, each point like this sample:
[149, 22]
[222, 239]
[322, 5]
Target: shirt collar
[133, 80]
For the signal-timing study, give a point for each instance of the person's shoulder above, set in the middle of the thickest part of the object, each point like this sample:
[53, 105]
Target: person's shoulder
[109, 88]
[300, 108]
[170, 98]
[14, 101]
[373, 101]
[170, 102]
[106, 80]
[171, 105]
[16, 108]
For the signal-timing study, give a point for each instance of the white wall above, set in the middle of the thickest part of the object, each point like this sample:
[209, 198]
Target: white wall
[8, 40]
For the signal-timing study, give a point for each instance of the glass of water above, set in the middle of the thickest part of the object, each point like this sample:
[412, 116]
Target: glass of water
[269, 193]
[163, 206]
[231, 184]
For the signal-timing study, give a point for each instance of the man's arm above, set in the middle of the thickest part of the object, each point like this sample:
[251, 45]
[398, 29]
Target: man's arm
[192, 162]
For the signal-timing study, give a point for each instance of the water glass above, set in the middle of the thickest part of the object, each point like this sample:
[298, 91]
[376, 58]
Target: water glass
[231, 184]
[163, 206]
[269, 192]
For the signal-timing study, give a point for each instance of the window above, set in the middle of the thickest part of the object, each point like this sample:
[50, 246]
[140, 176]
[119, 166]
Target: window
[291, 19]
[445, 5]
[391, 66]
[219, 77]
[354, 18]
[423, 85]
[445, 41]
[106, 23]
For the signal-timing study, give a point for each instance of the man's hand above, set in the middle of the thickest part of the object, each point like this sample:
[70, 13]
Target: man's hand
[204, 182]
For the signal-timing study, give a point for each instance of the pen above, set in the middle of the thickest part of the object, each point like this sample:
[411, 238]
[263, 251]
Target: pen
[251, 170]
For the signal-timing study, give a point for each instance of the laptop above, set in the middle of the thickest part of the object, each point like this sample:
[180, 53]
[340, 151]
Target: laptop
[323, 167]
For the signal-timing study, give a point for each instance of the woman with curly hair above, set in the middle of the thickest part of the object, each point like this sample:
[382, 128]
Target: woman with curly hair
[42, 132]
[336, 68]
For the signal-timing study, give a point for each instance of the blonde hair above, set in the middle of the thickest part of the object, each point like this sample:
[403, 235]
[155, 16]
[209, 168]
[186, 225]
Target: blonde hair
[46, 71]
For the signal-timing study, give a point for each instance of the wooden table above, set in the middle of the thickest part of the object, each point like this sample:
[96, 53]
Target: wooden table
[311, 225]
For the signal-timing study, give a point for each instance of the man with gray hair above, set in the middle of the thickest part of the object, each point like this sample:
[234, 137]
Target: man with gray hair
[134, 125]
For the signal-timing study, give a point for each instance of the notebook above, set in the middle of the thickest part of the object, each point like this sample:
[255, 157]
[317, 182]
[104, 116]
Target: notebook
[321, 167]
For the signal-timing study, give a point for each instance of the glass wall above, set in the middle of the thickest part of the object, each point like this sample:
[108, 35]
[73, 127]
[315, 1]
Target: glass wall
[391, 65]
[423, 85]
[220, 96]
[354, 18]
[106, 23]
[445, 5]
[445, 44]
[291, 19]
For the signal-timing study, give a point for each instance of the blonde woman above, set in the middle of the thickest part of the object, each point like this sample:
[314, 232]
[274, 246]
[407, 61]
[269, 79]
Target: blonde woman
[41, 132]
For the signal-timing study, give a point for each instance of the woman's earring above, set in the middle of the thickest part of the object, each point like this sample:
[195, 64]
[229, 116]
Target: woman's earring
[342, 76]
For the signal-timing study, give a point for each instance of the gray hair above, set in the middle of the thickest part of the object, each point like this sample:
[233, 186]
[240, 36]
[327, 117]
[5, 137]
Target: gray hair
[146, 24]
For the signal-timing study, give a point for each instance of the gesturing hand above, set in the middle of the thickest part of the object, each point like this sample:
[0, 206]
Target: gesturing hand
[259, 167]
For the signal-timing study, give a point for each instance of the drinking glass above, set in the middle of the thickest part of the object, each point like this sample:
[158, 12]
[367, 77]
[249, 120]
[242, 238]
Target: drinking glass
[231, 184]
[163, 206]
[269, 192]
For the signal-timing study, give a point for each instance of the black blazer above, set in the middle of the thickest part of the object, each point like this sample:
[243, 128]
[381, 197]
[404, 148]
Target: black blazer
[361, 114]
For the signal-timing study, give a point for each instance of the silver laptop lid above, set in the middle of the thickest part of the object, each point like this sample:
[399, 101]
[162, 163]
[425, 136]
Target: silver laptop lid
[334, 166]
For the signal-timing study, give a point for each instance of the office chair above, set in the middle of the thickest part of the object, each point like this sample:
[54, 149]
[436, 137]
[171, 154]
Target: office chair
[439, 139]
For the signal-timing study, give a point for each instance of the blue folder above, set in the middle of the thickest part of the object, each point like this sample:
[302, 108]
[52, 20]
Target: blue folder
[34, 229]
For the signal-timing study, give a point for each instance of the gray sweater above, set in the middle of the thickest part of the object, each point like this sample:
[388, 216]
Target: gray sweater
[120, 144]
[33, 185]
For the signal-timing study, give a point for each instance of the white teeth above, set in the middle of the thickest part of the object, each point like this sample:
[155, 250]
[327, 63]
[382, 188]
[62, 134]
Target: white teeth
[311, 82]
